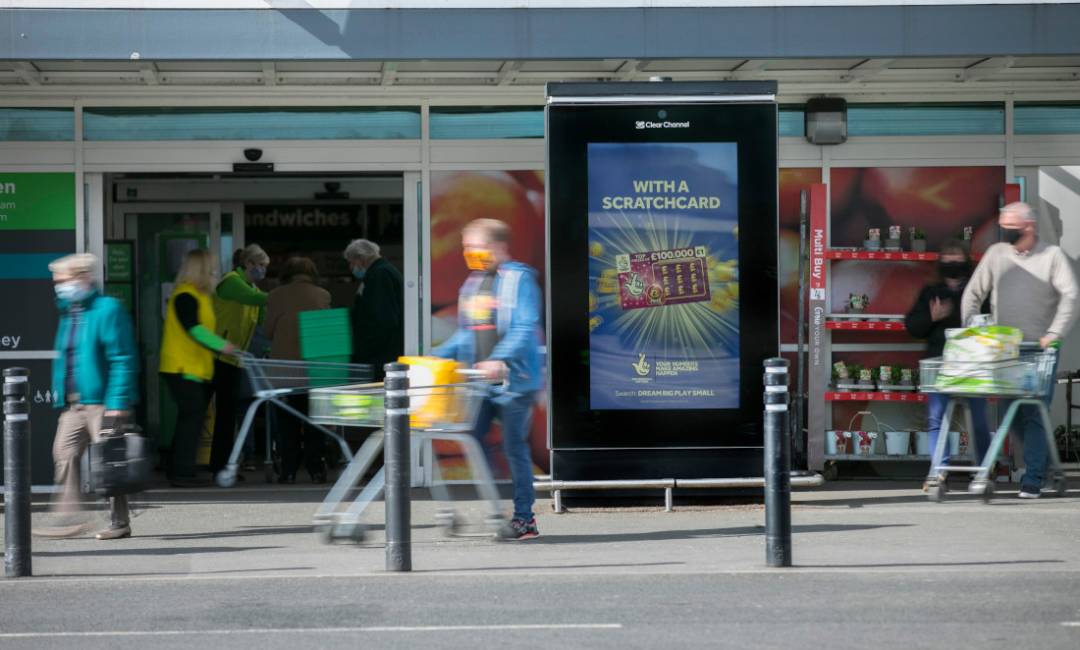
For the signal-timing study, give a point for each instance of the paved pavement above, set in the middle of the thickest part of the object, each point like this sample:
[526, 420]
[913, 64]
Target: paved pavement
[876, 564]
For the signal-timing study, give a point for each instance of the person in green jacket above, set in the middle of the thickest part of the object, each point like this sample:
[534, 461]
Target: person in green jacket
[94, 379]
[239, 307]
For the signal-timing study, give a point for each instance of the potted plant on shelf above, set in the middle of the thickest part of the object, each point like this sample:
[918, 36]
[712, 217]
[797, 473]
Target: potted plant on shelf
[918, 240]
[857, 303]
[893, 242]
[866, 378]
[873, 239]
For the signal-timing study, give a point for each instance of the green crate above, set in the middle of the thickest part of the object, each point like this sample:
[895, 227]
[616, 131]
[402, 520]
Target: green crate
[325, 335]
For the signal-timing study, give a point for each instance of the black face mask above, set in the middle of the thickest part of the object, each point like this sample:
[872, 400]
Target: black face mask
[953, 270]
[1011, 235]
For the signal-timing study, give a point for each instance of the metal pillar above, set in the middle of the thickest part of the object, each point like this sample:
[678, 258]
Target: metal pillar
[17, 562]
[396, 460]
[777, 465]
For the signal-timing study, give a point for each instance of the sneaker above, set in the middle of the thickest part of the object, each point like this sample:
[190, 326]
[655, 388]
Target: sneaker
[114, 532]
[519, 529]
[1029, 493]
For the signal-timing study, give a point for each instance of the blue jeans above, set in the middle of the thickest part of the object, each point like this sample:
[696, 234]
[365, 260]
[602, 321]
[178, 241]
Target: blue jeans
[936, 403]
[515, 415]
[1033, 434]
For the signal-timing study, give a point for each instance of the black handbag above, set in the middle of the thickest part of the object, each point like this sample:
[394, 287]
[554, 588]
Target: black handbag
[120, 462]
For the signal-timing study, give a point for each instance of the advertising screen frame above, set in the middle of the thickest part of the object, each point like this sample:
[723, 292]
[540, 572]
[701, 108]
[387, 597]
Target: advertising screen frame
[744, 113]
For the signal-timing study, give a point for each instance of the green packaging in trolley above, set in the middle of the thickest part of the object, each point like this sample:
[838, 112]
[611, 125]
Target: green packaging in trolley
[983, 360]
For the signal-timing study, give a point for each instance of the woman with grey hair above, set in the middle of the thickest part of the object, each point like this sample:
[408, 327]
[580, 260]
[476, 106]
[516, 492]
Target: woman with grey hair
[378, 318]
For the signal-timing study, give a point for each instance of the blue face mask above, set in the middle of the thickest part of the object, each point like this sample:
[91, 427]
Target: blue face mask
[359, 273]
[71, 291]
[257, 273]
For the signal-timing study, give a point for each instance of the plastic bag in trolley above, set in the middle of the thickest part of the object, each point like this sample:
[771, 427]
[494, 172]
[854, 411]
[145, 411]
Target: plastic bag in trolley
[119, 462]
[983, 360]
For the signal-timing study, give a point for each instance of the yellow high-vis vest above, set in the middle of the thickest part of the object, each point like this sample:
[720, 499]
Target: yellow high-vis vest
[181, 354]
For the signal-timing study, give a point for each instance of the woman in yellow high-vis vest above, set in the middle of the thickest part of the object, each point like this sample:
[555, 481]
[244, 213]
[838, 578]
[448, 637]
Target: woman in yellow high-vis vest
[188, 344]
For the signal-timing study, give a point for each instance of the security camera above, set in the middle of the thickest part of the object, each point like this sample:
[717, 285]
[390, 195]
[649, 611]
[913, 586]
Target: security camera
[253, 154]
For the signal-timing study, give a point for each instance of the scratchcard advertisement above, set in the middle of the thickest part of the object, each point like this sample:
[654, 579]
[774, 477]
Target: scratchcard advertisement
[663, 276]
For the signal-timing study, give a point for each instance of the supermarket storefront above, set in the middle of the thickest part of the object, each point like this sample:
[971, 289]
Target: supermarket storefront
[408, 138]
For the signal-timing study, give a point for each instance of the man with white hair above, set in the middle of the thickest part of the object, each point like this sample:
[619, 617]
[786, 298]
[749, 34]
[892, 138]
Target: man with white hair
[94, 379]
[378, 313]
[1032, 287]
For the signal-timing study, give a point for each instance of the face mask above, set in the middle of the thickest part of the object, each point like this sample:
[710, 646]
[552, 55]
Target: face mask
[953, 270]
[1011, 235]
[479, 260]
[257, 273]
[71, 291]
[359, 273]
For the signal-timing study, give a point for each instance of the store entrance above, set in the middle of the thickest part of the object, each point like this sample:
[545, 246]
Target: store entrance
[157, 219]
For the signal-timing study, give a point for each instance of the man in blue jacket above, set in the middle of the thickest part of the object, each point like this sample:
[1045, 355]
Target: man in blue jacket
[498, 328]
[94, 381]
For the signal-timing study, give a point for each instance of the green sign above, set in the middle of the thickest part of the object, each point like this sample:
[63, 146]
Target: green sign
[119, 262]
[31, 201]
[125, 293]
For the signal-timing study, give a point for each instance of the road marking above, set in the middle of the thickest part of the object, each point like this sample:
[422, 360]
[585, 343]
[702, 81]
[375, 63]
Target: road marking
[1071, 623]
[323, 630]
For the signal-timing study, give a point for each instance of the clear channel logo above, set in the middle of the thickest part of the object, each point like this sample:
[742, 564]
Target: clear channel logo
[641, 125]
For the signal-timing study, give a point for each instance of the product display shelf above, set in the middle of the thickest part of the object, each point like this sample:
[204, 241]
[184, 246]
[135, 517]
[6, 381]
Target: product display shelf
[874, 396]
[875, 458]
[881, 256]
[848, 323]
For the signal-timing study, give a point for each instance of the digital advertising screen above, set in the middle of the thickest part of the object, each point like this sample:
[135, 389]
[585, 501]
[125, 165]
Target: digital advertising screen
[662, 271]
[663, 276]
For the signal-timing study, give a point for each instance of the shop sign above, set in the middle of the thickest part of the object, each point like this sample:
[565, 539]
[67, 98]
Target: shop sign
[37, 201]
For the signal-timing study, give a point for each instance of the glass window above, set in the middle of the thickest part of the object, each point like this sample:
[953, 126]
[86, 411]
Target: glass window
[792, 122]
[399, 123]
[922, 119]
[36, 124]
[486, 122]
[1043, 119]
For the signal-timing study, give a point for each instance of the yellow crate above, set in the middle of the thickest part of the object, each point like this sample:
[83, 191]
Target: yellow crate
[432, 399]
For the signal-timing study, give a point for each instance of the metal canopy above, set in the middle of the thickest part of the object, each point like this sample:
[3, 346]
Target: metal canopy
[525, 80]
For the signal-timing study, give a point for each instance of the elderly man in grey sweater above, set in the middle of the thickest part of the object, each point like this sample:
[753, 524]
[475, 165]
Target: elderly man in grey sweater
[1032, 287]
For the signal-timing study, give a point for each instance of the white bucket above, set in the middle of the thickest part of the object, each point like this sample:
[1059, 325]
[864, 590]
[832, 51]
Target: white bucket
[865, 443]
[837, 443]
[922, 443]
[954, 444]
[897, 443]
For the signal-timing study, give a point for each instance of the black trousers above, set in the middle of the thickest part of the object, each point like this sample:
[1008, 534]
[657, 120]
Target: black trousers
[229, 397]
[192, 398]
[296, 441]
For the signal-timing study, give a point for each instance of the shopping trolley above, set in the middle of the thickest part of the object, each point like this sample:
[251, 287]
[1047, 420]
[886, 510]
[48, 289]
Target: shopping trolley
[272, 380]
[444, 412]
[1026, 380]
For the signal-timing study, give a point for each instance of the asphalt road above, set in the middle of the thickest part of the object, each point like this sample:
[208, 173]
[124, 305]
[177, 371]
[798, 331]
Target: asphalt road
[761, 609]
[877, 567]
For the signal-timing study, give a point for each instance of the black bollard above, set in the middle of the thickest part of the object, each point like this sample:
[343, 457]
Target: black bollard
[777, 465]
[396, 467]
[17, 472]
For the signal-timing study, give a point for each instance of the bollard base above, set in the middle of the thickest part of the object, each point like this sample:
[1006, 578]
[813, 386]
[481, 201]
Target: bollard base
[398, 557]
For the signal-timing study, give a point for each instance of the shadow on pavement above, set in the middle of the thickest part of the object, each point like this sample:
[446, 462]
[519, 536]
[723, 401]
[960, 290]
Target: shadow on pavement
[886, 565]
[660, 535]
[184, 550]
[548, 567]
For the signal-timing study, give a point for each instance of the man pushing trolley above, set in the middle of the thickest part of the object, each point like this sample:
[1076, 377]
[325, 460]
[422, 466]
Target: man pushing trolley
[1033, 292]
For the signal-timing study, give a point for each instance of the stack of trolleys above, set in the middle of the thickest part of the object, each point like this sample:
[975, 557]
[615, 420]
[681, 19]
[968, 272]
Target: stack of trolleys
[444, 411]
[1025, 381]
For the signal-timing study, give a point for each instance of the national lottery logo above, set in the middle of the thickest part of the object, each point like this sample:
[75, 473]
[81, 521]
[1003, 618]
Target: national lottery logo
[642, 366]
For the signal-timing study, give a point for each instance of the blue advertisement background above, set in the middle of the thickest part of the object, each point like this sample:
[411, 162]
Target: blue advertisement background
[625, 342]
